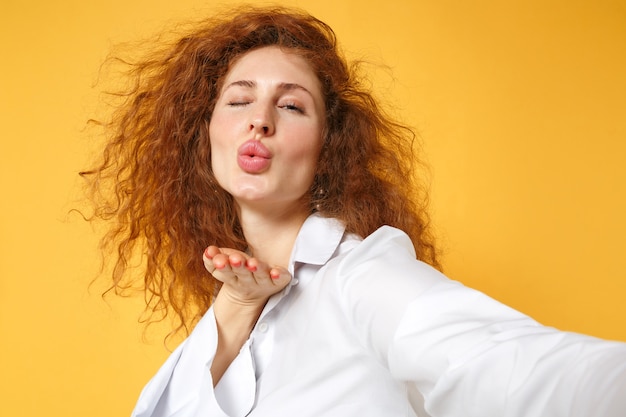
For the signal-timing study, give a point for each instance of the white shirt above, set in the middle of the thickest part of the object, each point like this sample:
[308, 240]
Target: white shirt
[365, 330]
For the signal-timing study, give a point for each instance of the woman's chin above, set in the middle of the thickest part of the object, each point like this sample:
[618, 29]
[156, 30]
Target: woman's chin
[251, 194]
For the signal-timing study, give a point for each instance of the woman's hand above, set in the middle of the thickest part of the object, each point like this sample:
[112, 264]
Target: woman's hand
[247, 285]
[246, 280]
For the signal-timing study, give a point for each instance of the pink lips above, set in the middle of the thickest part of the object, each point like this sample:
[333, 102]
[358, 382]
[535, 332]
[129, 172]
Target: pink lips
[253, 157]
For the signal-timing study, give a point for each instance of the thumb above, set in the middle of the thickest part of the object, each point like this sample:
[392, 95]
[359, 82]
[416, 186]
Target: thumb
[280, 276]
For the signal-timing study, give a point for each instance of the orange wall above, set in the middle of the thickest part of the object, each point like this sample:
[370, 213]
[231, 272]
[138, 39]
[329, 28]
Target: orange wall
[520, 107]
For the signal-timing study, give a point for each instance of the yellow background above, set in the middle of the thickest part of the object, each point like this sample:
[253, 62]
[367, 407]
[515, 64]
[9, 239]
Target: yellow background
[521, 106]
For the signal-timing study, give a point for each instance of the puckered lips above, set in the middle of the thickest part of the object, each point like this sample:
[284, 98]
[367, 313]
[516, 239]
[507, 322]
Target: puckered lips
[253, 157]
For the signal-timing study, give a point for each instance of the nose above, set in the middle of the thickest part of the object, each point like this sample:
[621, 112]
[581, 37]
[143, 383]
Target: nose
[262, 123]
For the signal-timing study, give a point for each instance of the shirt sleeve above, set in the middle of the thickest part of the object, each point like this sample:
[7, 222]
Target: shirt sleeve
[183, 386]
[467, 354]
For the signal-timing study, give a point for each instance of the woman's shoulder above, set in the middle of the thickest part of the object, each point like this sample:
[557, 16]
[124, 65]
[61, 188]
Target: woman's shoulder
[385, 244]
[385, 258]
[352, 263]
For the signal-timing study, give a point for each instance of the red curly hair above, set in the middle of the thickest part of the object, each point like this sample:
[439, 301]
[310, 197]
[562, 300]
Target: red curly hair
[155, 184]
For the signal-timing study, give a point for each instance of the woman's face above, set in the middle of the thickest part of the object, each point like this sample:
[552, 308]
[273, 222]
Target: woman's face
[266, 128]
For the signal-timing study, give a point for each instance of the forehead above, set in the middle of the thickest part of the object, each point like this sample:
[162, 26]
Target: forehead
[273, 64]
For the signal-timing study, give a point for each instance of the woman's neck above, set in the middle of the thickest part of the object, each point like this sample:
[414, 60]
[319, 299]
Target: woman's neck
[271, 233]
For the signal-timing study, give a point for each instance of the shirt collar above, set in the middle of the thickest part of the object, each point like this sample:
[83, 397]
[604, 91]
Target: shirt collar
[318, 239]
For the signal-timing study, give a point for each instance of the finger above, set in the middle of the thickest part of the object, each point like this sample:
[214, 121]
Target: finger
[224, 274]
[254, 265]
[235, 267]
[211, 251]
[230, 251]
[236, 259]
[280, 276]
[219, 266]
[260, 270]
[239, 267]
[207, 257]
[220, 262]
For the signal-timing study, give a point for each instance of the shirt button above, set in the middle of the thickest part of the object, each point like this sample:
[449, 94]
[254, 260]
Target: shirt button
[263, 327]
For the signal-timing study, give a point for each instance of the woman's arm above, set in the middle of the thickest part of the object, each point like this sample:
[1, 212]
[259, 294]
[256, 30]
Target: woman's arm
[468, 354]
[247, 285]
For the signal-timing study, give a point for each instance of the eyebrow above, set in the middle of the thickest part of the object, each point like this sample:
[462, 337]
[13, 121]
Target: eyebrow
[281, 86]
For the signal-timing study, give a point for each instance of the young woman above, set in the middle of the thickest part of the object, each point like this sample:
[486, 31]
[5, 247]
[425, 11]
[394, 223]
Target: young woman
[249, 150]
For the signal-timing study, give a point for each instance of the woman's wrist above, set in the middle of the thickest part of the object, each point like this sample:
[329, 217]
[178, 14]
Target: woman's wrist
[235, 316]
[235, 321]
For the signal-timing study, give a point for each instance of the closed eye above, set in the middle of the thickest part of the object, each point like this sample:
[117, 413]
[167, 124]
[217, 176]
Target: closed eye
[237, 103]
[292, 107]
